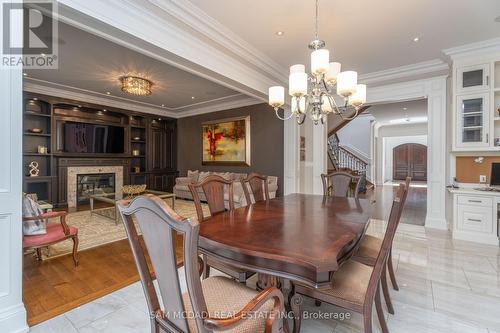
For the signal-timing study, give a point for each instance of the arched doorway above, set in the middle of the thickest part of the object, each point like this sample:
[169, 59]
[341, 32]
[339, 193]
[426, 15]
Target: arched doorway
[410, 160]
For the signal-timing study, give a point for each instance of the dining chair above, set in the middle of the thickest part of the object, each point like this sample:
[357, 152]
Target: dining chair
[213, 187]
[369, 249]
[355, 286]
[258, 184]
[213, 304]
[338, 184]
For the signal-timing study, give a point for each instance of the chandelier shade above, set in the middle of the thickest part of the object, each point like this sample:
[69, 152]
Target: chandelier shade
[136, 86]
[314, 94]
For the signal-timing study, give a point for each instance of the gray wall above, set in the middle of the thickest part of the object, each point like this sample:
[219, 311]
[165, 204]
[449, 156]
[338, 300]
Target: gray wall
[266, 142]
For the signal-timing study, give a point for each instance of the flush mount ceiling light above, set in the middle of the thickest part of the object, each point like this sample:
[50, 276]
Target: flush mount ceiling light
[416, 39]
[280, 33]
[135, 85]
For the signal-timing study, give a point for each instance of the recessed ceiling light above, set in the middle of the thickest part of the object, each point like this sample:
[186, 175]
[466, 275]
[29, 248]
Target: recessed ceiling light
[104, 110]
[108, 93]
[79, 106]
[416, 39]
[163, 105]
[192, 97]
[25, 74]
[280, 33]
[405, 109]
[42, 54]
[497, 19]
[35, 99]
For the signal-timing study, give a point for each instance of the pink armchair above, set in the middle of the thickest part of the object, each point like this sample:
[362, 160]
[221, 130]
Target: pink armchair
[56, 232]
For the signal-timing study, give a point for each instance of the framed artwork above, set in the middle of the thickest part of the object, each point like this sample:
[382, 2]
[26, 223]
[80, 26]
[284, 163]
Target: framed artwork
[226, 141]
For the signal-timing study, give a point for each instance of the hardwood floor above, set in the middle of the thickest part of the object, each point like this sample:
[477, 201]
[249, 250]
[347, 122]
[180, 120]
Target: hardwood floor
[55, 286]
[415, 208]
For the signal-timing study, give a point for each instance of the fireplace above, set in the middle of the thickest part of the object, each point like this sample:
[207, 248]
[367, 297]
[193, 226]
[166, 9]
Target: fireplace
[93, 183]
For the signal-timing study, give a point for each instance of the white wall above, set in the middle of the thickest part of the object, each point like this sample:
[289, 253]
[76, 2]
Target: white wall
[389, 143]
[356, 134]
[388, 131]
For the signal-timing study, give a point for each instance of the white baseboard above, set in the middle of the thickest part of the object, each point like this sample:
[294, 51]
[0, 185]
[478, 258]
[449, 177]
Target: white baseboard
[13, 319]
[436, 223]
[476, 237]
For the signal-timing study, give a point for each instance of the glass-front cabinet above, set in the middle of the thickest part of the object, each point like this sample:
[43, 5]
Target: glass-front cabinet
[473, 120]
[473, 78]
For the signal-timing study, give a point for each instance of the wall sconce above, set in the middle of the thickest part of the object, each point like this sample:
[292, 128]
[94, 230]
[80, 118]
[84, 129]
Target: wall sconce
[479, 160]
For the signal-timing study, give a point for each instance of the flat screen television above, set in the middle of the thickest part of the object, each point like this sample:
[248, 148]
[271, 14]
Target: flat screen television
[93, 139]
[495, 174]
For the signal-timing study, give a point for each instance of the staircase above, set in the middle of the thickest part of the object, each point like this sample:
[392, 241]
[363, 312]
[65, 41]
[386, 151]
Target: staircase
[341, 158]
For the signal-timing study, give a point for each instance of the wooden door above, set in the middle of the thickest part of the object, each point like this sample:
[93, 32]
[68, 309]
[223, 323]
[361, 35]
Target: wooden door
[410, 159]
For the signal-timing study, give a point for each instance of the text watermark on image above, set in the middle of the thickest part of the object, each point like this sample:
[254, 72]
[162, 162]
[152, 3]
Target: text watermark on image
[29, 34]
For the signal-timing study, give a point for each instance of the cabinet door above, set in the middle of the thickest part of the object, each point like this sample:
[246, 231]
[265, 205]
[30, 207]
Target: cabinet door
[473, 78]
[473, 120]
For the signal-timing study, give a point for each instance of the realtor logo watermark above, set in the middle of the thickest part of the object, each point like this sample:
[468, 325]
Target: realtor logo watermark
[29, 35]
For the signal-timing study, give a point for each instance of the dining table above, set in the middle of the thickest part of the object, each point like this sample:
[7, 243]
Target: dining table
[301, 237]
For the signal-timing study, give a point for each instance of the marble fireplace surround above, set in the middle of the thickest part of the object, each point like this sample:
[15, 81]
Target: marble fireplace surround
[78, 170]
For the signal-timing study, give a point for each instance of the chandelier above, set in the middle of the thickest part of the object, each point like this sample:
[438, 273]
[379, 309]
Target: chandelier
[314, 94]
[135, 85]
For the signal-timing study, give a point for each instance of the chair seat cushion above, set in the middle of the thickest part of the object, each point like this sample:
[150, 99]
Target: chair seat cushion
[369, 249]
[349, 283]
[225, 296]
[54, 233]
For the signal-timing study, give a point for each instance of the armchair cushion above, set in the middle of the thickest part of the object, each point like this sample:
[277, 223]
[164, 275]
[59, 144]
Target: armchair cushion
[33, 226]
[54, 233]
[226, 297]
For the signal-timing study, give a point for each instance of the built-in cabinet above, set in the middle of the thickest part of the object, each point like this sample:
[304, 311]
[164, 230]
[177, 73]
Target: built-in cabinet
[149, 155]
[476, 100]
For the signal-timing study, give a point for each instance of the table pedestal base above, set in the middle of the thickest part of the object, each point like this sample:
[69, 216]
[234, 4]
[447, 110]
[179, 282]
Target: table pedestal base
[265, 281]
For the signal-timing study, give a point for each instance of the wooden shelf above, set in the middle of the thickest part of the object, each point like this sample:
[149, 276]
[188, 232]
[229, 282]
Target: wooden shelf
[36, 114]
[37, 134]
[138, 141]
[36, 154]
[138, 126]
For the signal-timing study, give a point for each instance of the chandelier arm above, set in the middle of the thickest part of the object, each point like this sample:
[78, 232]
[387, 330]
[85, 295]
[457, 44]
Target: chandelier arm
[282, 118]
[354, 116]
[301, 118]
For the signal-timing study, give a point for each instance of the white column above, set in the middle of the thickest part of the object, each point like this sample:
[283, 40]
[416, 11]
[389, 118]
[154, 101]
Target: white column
[319, 156]
[436, 155]
[291, 157]
[12, 312]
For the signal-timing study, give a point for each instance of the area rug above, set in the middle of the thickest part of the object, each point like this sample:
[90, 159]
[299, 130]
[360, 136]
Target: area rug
[95, 230]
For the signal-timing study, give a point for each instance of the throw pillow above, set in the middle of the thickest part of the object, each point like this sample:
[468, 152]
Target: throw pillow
[193, 175]
[203, 175]
[33, 227]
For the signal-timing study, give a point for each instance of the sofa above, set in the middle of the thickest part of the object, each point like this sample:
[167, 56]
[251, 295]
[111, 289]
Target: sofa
[181, 188]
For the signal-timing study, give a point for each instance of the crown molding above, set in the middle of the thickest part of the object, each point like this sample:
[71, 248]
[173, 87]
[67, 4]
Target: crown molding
[206, 25]
[239, 102]
[489, 45]
[63, 91]
[407, 72]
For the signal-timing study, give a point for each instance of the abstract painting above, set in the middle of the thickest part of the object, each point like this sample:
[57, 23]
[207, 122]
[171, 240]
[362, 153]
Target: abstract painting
[226, 141]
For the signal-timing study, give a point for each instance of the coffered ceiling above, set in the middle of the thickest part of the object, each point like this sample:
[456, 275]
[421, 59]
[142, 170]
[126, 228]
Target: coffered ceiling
[91, 64]
[364, 35]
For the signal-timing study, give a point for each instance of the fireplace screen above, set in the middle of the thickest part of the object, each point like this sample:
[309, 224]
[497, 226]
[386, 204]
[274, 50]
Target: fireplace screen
[102, 183]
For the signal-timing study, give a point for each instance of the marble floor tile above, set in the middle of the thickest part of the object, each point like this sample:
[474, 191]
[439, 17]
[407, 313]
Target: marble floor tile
[59, 324]
[467, 305]
[85, 314]
[124, 320]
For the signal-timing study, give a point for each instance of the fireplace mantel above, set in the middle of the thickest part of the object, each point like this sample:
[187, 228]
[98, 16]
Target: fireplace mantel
[72, 173]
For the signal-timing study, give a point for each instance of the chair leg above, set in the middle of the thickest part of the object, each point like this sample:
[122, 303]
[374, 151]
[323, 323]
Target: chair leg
[206, 268]
[39, 254]
[75, 250]
[380, 311]
[391, 272]
[295, 303]
[385, 289]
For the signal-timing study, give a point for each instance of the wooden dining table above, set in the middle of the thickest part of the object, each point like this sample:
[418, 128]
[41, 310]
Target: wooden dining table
[301, 237]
